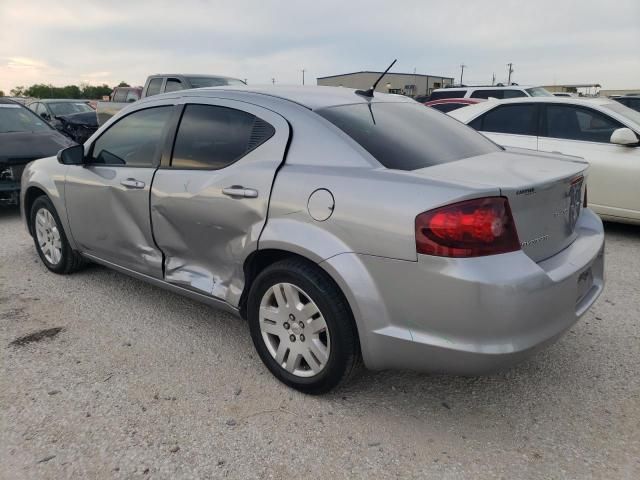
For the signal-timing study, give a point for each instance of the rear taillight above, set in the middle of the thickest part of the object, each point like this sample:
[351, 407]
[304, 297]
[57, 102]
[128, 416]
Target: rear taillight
[473, 228]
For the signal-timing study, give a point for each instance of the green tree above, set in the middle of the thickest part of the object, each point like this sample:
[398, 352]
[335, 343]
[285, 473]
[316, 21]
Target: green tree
[123, 84]
[17, 91]
[1, 93]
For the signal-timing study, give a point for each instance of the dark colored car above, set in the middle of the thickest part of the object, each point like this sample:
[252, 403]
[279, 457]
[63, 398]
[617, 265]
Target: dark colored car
[23, 137]
[446, 105]
[75, 118]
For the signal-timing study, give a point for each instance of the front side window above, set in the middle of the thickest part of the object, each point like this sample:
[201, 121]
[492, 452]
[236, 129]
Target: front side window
[511, 119]
[155, 84]
[577, 123]
[407, 136]
[134, 141]
[213, 137]
[173, 84]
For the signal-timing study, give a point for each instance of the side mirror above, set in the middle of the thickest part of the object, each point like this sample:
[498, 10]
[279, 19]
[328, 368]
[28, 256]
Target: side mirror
[73, 155]
[624, 136]
[45, 115]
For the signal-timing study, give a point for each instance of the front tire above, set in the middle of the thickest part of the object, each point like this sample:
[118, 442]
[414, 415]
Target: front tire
[302, 327]
[50, 240]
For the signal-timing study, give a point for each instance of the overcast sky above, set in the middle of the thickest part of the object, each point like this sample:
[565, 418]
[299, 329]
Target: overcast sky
[67, 42]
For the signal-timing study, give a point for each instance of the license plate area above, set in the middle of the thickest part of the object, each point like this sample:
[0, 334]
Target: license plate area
[585, 282]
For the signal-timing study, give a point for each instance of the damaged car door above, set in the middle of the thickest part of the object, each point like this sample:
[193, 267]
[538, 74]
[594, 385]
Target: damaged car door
[107, 198]
[209, 203]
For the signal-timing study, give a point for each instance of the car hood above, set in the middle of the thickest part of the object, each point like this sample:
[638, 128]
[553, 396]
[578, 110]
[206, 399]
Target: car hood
[16, 147]
[86, 118]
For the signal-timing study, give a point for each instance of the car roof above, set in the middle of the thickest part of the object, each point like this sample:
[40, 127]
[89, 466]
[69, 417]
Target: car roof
[311, 97]
[61, 100]
[472, 111]
[192, 75]
[486, 87]
[8, 100]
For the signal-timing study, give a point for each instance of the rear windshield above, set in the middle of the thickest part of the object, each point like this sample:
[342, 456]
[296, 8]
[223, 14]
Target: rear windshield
[407, 136]
[15, 118]
[201, 82]
[447, 94]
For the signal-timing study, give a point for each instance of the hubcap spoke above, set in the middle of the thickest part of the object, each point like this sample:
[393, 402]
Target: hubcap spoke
[291, 296]
[317, 325]
[293, 361]
[48, 236]
[283, 348]
[319, 351]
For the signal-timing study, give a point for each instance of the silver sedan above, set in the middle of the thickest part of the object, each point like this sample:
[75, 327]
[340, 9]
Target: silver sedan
[344, 227]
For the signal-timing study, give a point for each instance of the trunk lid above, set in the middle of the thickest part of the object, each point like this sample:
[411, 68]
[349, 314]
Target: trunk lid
[545, 193]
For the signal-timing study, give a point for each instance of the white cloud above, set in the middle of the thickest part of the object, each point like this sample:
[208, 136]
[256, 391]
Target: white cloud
[549, 41]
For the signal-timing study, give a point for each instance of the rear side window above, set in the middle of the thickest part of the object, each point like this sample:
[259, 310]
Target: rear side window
[213, 137]
[447, 94]
[488, 93]
[154, 86]
[133, 141]
[173, 84]
[514, 94]
[511, 119]
[407, 136]
[448, 107]
[576, 123]
[120, 95]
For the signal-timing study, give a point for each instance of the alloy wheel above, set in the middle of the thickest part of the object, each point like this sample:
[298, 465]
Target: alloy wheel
[48, 236]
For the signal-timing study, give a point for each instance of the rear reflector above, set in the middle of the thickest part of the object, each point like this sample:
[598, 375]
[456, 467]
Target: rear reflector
[473, 228]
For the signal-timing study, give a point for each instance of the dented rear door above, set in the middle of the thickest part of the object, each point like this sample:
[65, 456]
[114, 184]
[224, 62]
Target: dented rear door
[209, 203]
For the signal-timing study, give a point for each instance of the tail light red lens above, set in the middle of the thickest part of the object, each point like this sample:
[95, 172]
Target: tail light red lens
[473, 228]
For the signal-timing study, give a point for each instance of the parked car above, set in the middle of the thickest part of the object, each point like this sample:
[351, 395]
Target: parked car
[75, 118]
[602, 131]
[446, 105]
[161, 83]
[340, 224]
[23, 138]
[631, 101]
[489, 91]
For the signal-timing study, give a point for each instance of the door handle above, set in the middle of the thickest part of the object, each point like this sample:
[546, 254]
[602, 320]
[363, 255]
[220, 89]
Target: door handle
[238, 191]
[132, 183]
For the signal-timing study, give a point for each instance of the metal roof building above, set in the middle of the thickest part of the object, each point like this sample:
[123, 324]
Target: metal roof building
[411, 84]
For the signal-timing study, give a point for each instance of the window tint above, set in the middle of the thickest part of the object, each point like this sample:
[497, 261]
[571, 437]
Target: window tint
[154, 86]
[407, 136]
[447, 94]
[214, 137]
[132, 96]
[487, 93]
[512, 119]
[134, 140]
[514, 94]
[173, 84]
[577, 123]
[448, 107]
[120, 95]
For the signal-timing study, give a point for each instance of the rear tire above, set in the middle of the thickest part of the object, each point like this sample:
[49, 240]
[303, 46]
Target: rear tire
[302, 326]
[50, 240]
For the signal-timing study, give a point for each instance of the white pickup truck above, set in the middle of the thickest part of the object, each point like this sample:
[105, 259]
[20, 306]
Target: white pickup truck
[155, 84]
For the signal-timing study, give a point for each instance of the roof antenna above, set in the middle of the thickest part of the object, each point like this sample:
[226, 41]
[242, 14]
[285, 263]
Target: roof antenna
[369, 93]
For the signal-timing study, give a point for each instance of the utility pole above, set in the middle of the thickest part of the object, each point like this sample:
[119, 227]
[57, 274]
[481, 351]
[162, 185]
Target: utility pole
[510, 65]
[462, 67]
[273, 81]
[303, 70]
[493, 80]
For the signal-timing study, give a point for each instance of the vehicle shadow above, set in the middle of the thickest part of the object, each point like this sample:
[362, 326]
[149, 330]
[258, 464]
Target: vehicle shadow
[7, 212]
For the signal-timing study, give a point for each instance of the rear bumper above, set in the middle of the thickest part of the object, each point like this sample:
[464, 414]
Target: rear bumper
[470, 316]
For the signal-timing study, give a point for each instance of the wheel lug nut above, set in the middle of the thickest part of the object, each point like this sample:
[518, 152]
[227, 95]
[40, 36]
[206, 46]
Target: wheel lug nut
[292, 317]
[301, 324]
[292, 338]
[286, 325]
[302, 338]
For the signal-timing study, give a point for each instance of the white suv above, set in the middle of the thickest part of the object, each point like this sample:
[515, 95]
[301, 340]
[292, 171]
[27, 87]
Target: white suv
[494, 91]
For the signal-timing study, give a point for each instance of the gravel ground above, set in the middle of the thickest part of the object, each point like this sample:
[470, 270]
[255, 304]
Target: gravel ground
[142, 383]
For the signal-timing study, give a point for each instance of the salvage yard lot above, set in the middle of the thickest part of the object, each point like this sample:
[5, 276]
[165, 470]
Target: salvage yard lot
[139, 382]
